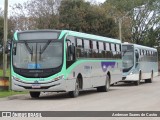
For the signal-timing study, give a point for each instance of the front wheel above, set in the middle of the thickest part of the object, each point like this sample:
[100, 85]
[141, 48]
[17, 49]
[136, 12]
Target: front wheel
[75, 93]
[34, 94]
[138, 81]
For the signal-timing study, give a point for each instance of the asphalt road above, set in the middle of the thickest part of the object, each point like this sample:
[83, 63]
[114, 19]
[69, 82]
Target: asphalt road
[121, 97]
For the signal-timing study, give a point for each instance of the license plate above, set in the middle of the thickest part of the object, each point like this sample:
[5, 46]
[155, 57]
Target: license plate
[36, 86]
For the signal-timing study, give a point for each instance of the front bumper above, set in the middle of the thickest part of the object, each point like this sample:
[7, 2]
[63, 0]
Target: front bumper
[59, 85]
[133, 77]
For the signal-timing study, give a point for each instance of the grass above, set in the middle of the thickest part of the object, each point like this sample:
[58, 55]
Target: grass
[10, 93]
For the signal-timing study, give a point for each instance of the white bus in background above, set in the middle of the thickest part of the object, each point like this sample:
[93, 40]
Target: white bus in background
[139, 63]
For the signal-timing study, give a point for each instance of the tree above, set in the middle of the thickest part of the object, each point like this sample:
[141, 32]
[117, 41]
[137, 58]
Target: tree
[1, 34]
[35, 14]
[72, 14]
[99, 23]
[139, 18]
[145, 21]
[44, 13]
[119, 11]
[81, 16]
[1, 26]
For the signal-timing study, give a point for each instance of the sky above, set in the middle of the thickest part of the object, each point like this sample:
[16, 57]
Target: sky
[11, 2]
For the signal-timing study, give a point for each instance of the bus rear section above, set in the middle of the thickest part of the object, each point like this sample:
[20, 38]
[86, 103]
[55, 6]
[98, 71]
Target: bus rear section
[139, 63]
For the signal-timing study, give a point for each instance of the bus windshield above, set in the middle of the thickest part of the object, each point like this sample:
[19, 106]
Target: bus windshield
[127, 56]
[37, 55]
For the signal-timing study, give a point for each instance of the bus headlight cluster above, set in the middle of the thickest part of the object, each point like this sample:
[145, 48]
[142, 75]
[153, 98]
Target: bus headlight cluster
[15, 78]
[59, 77]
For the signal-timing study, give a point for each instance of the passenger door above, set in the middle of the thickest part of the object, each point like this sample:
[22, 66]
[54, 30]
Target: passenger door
[136, 58]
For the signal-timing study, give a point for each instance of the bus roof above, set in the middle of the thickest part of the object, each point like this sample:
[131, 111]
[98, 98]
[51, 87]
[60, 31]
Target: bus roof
[89, 36]
[73, 33]
[140, 46]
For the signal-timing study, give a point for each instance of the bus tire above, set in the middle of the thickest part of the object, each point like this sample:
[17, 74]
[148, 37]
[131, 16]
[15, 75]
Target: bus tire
[34, 94]
[106, 87]
[138, 81]
[75, 93]
[149, 80]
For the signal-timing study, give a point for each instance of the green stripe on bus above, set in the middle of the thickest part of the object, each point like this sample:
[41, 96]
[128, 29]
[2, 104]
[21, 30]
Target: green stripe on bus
[15, 36]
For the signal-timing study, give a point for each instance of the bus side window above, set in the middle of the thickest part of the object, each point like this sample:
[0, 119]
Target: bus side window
[107, 47]
[79, 43]
[113, 51]
[95, 49]
[108, 50]
[118, 50]
[87, 52]
[101, 50]
[79, 48]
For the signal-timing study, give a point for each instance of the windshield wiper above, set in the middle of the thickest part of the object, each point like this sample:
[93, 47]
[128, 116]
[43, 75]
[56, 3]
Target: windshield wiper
[29, 49]
[45, 47]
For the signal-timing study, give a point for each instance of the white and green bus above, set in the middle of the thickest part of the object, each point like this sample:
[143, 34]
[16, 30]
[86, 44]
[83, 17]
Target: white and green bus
[63, 61]
[139, 63]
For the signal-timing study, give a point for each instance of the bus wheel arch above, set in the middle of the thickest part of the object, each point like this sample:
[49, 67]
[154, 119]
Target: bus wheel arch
[80, 80]
[140, 75]
[109, 75]
[106, 87]
[78, 86]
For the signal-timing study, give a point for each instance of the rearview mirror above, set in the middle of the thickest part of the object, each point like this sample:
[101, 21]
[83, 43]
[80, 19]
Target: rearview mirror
[68, 40]
[14, 50]
[8, 47]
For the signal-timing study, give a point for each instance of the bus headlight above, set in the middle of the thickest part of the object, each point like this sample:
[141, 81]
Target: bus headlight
[130, 73]
[58, 78]
[15, 78]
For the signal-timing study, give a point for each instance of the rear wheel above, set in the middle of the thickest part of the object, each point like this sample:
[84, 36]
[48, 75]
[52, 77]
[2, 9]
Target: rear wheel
[75, 93]
[106, 87]
[34, 94]
[149, 80]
